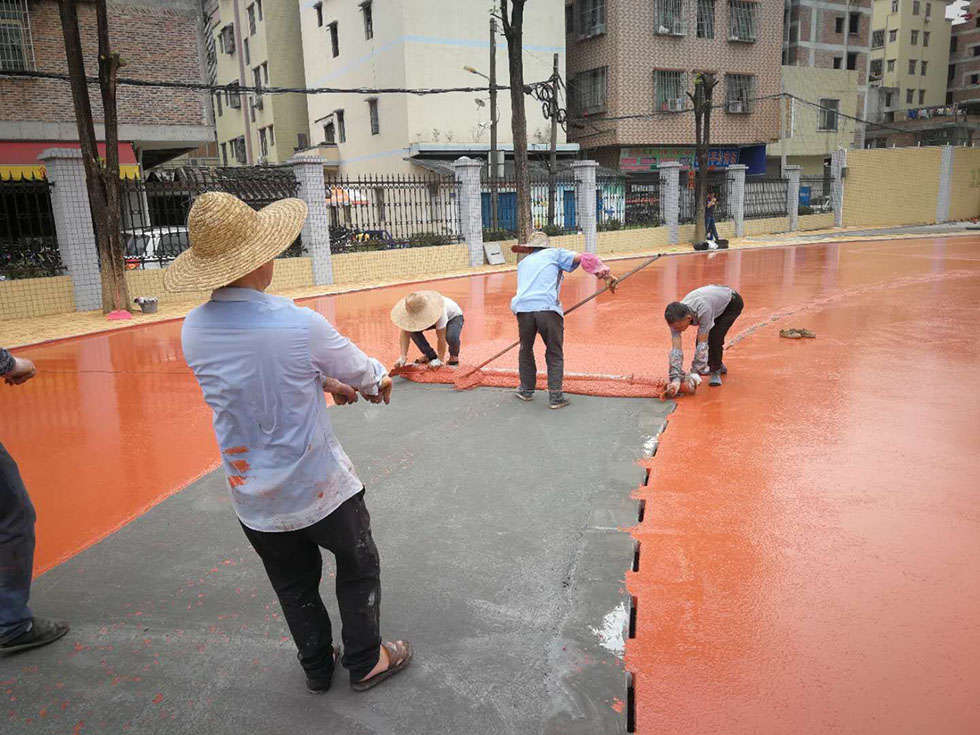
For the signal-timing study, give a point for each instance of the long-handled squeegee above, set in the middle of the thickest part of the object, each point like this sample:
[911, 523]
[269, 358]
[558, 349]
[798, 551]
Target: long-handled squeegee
[464, 380]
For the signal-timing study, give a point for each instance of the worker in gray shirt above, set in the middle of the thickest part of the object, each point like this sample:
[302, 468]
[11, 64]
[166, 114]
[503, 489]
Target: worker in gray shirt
[712, 309]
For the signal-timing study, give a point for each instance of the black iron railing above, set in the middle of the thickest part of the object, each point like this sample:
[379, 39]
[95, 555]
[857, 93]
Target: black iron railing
[388, 212]
[815, 195]
[765, 197]
[717, 184]
[28, 243]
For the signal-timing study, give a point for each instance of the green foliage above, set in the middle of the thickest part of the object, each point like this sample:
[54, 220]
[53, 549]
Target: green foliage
[609, 225]
[498, 235]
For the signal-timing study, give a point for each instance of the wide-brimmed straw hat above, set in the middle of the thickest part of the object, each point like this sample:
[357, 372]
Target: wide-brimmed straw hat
[229, 239]
[418, 311]
[537, 239]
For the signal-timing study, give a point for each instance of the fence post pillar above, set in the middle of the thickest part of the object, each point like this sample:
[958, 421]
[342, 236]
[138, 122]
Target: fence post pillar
[585, 192]
[308, 170]
[470, 206]
[670, 199]
[73, 224]
[736, 197]
[792, 174]
[945, 184]
[838, 164]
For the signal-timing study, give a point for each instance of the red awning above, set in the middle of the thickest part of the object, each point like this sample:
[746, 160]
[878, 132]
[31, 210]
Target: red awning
[20, 156]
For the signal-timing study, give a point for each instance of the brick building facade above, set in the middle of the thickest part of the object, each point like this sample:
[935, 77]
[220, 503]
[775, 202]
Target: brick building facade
[964, 65]
[159, 40]
[631, 64]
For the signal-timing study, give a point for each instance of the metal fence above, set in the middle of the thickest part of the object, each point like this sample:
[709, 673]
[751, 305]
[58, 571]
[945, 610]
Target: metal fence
[717, 184]
[815, 195]
[28, 244]
[765, 197]
[388, 212]
[505, 228]
[155, 209]
[642, 203]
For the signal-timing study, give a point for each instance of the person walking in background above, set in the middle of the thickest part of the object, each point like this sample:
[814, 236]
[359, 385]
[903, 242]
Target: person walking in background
[710, 229]
[539, 311]
[263, 364]
[422, 311]
[19, 629]
[712, 309]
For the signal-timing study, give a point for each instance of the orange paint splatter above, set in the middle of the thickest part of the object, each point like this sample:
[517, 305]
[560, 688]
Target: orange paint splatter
[236, 450]
[78, 727]
[241, 465]
[617, 704]
[236, 480]
[157, 699]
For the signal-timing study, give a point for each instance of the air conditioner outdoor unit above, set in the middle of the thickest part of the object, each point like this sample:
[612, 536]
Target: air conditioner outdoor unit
[258, 104]
[736, 106]
[676, 105]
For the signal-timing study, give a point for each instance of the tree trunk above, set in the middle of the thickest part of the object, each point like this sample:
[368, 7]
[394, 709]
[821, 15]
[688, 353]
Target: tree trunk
[105, 212]
[514, 32]
[703, 86]
[553, 153]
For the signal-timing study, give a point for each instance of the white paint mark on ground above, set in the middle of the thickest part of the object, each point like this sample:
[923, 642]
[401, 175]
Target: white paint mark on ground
[649, 445]
[611, 633]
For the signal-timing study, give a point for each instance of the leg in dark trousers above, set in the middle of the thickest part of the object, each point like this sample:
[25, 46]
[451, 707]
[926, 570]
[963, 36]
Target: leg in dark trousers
[16, 550]
[423, 344]
[551, 327]
[292, 561]
[454, 329]
[527, 329]
[716, 337]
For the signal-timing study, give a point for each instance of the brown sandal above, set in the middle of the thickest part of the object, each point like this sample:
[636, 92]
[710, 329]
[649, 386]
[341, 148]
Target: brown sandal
[399, 657]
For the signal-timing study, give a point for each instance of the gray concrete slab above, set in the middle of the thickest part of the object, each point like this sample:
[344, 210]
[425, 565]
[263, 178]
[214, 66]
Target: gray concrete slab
[501, 561]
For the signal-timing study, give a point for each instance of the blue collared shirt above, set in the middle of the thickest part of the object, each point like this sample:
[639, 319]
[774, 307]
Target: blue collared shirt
[260, 361]
[539, 278]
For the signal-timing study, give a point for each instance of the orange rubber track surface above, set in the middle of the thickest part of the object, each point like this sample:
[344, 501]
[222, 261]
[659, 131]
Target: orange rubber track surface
[810, 548]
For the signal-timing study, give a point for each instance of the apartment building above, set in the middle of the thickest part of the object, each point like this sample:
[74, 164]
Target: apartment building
[963, 80]
[632, 62]
[159, 39]
[411, 44]
[829, 34]
[257, 43]
[909, 57]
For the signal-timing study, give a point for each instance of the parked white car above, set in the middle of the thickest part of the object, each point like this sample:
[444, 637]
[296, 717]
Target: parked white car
[153, 247]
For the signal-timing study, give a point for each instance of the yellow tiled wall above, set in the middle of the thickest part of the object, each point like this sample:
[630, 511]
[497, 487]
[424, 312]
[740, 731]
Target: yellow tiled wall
[816, 221]
[964, 190]
[27, 297]
[393, 265]
[891, 186]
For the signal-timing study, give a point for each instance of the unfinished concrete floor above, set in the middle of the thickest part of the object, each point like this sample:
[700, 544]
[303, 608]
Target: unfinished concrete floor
[497, 525]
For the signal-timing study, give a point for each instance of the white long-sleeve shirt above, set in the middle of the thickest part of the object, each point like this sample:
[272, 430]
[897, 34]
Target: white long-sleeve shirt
[260, 361]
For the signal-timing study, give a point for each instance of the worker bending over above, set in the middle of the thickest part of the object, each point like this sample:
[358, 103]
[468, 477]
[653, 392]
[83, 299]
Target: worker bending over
[712, 309]
[421, 311]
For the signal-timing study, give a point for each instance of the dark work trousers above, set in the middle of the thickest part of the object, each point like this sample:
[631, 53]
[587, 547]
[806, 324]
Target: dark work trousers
[454, 328]
[292, 561]
[551, 326]
[711, 231]
[716, 337]
[16, 550]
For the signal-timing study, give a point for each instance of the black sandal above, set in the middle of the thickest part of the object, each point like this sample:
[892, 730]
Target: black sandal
[399, 657]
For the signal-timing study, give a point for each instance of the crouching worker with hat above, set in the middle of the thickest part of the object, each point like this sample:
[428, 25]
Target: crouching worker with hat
[263, 364]
[539, 310]
[420, 312]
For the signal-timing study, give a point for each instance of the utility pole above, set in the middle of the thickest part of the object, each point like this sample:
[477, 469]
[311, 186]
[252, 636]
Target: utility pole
[553, 159]
[704, 84]
[513, 23]
[492, 168]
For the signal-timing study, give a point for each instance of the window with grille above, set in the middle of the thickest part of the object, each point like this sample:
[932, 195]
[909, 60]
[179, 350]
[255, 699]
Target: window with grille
[915, 7]
[669, 88]
[592, 18]
[334, 39]
[251, 19]
[263, 142]
[743, 18]
[373, 114]
[839, 24]
[239, 145]
[892, 36]
[922, 96]
[974, 78]
[739, 90]
[894, 6]
[852, 60]
[246, 52]
[319, 14]
[228, 39]
[928, 10]
[590, 91]
[891, 65]
[16, 45]
[218, 106]
[330, 132]
[876, 68]
[234, 96]
[925, 38]
[669, 17]
[877, 39]
[258, 7]
[341, 126]
[224, 154]
[368, 20]
[854, 23]
[706, 19]
[828, 114]
[909, 96]
[915, 37]
[922, 67]
[911, 66]
[272, 135]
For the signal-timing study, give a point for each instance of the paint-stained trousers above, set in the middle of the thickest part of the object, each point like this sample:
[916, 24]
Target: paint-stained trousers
[16, 550]
[454, 328]
[551, 326]
[716, 337]
[292, 561]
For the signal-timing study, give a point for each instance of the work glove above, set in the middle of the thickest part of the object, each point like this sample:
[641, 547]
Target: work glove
[435, 363]
[400, 362]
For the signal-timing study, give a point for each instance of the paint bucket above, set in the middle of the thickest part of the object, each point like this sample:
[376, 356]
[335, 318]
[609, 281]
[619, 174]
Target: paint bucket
[148, 304]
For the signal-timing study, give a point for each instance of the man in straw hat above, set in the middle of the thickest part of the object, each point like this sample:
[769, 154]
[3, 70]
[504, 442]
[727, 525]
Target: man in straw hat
[263, 364]
[424, 310]
[539, 311]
